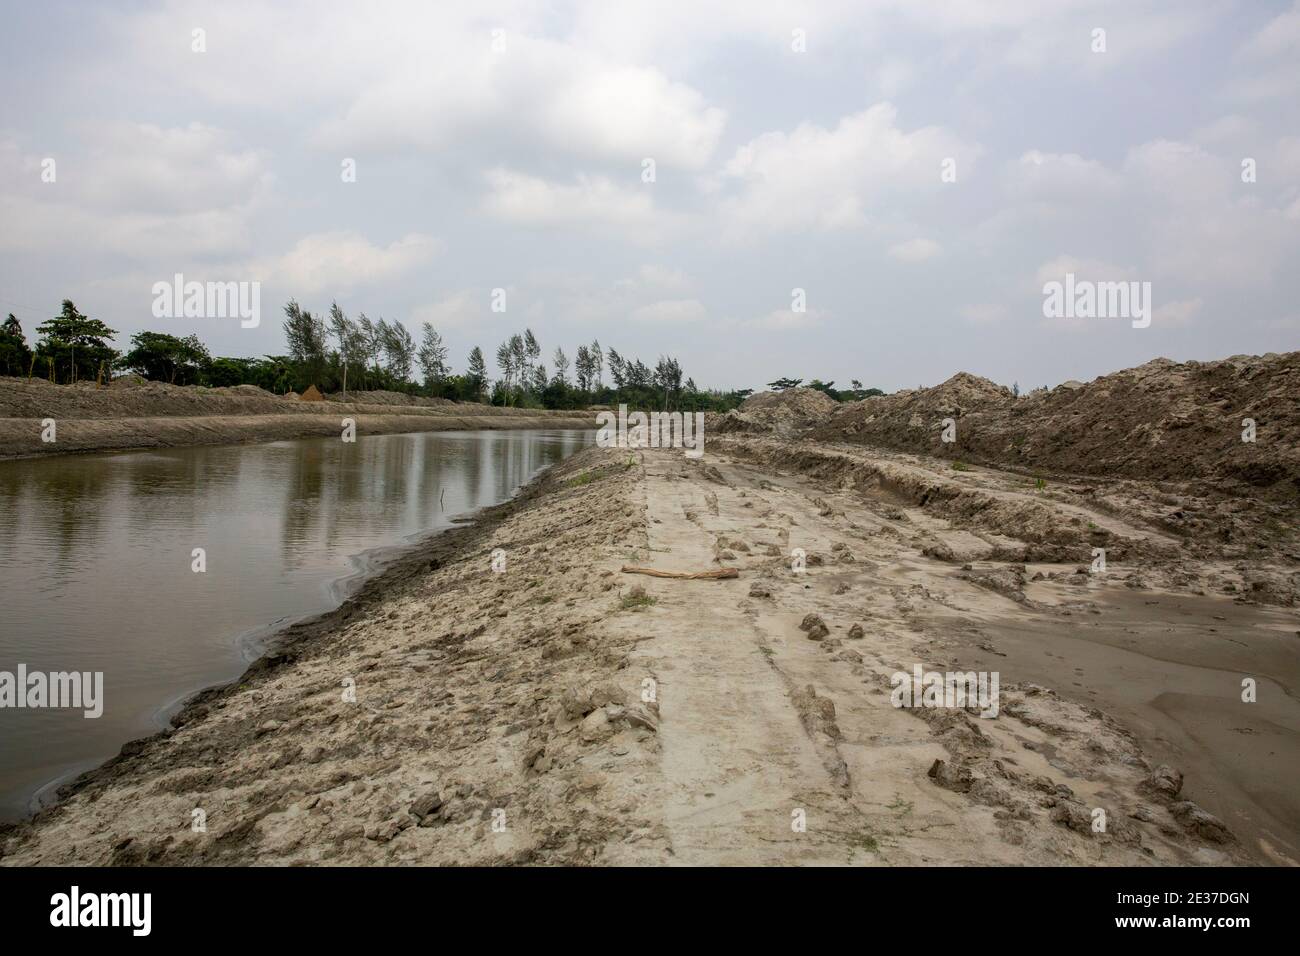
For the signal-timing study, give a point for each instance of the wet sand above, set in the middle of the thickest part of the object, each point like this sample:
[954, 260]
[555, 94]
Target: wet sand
[1170, 667]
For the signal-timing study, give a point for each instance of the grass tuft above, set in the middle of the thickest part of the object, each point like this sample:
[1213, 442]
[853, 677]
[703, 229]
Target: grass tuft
[865, 840]
[636, 599]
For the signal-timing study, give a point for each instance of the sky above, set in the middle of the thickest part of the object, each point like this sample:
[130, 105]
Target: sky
[918, 170]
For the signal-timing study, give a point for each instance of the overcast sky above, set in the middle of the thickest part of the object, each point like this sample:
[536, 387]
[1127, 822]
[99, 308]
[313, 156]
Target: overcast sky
[518, 164]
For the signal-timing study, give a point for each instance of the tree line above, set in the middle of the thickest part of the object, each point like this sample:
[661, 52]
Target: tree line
[337, 353]
[854, 394]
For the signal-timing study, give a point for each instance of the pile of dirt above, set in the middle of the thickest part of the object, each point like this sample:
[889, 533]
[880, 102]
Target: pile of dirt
[896, 420]
[134, 397]
[1163, 420]
[131, 397]
[784, 413]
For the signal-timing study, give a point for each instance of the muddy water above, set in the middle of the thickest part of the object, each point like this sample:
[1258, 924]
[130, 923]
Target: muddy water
[1170, 668]
[97, 564]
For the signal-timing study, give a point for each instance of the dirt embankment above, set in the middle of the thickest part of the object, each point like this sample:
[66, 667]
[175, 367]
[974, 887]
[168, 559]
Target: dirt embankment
[134, 414]
[1163, 420]
[785, 413]
[564, 711]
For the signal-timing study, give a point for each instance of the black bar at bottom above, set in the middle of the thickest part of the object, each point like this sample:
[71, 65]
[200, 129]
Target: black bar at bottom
[331, 906]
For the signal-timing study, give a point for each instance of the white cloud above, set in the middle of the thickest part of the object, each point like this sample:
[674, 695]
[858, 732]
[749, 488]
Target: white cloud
[652, 276]
[1090, 270]
[55, 228]
[536, 92]
[1279, 37]
[447, 86]
[1200, 223]
[787, 319]
[1058, 35]
[143, 168]
[915, 250]
[1232, 130]
[461, 309]
[1176, 314]
[1084, 271]
[825, 179]
[653, 292]
[336, 262]
[1269, 61]
[135, 190]
[593, 202]
[1178, 212]
[1180, 171]
[671, 312]
[1041, 175]
[983, 314]
[893, 76]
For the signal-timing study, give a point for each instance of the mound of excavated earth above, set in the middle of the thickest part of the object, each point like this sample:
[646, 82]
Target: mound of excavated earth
[784, 413]
[1162, 420]
[134, 397]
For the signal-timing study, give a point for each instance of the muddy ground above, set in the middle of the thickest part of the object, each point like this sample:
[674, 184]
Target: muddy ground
[563, 711]
[132, 413]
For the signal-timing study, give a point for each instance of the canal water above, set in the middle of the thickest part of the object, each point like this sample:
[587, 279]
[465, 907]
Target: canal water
[98, 558]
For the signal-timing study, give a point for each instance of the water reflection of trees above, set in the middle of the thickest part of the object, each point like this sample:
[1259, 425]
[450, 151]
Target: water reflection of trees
[351, 496]
[55, 503]
[303, 506]
[333, 495]
[356, 495]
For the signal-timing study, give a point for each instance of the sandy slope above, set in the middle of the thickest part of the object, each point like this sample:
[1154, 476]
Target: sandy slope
[548, 714]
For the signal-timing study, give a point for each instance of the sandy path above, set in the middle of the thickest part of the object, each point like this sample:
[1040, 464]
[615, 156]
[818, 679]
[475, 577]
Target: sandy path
[736, 760]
